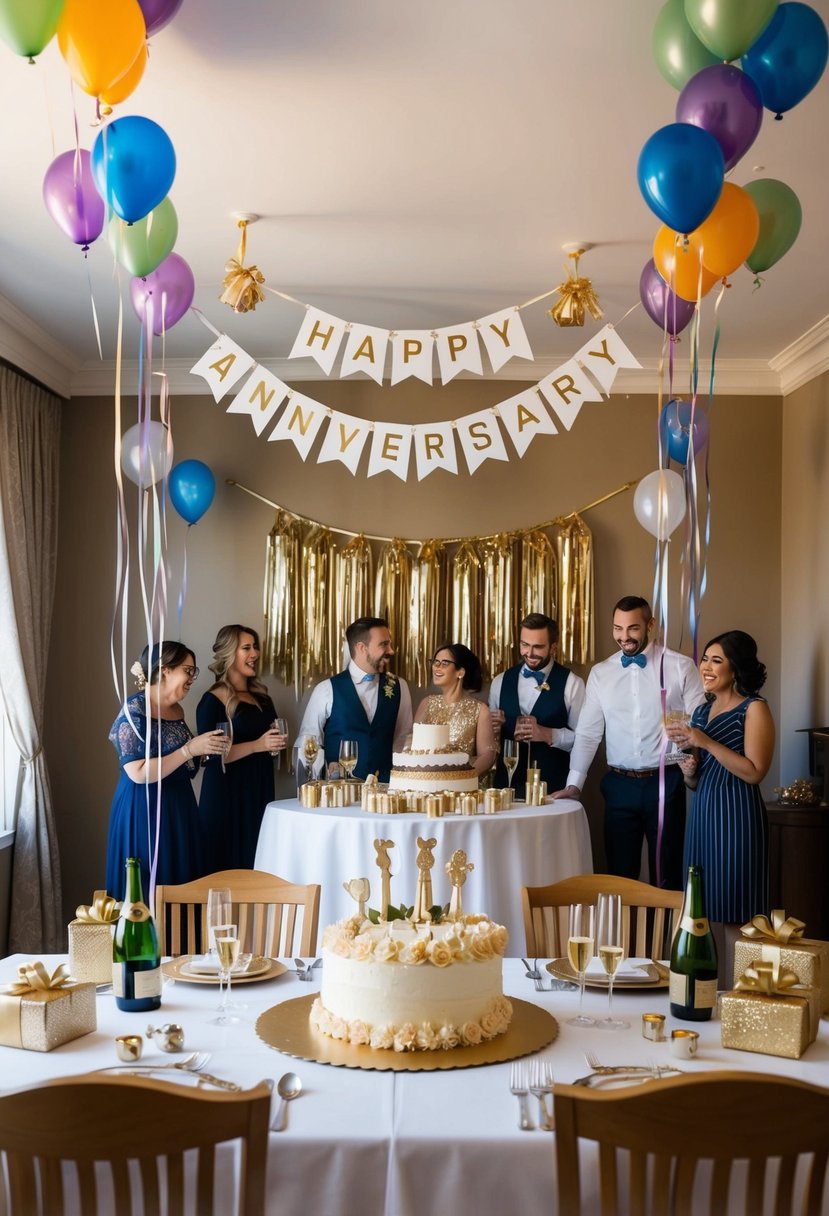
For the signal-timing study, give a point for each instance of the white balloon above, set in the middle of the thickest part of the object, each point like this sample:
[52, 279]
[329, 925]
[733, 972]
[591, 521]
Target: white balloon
[659, 502]
[156, 461]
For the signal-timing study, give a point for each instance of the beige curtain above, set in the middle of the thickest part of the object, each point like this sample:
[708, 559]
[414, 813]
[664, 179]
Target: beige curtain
[29, 450]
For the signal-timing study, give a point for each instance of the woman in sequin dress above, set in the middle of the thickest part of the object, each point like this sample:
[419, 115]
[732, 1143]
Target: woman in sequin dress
[456, 672]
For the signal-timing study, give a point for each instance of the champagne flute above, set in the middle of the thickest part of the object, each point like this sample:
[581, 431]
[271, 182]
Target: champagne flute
[227, 948]
[310, 750]
[280, 725]
[523, 725]
[509, 755]
[675, 717]
[226, 730]
[348, 755]
[219, 914]
[580, 952]
[610, 950]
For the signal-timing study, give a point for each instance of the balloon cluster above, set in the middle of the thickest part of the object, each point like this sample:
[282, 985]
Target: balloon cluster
[711, 227]
[124, 183]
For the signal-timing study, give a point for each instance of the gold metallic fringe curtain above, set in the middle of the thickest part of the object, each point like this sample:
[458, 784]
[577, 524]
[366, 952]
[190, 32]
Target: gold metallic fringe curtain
[474, 591]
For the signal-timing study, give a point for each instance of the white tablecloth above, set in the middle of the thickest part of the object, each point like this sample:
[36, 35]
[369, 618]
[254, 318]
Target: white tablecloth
[397, 1144]
[525, 847]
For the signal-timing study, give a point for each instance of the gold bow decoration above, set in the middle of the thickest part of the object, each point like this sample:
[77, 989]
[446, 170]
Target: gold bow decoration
[33, 977]
[781, 929]
[242, 290]
[770, 979]
[104, 910]
[577, 294]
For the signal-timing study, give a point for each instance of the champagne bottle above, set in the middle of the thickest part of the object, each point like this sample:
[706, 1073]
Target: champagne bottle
[136, 960]
[693, 982]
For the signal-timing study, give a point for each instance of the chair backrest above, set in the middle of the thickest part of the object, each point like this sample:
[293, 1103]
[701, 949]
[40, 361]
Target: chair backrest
[682, 1138]
[265, 908]
[647, 928]
[117, 1120]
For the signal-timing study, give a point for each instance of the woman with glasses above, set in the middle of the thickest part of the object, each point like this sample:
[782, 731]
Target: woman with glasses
[456, 672]
[234, 795]
[154, 801]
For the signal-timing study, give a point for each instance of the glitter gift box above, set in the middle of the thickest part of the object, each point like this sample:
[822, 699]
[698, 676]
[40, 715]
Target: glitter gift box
[770, 1012]
[39, 1012]
[777, 940]
[90, 939]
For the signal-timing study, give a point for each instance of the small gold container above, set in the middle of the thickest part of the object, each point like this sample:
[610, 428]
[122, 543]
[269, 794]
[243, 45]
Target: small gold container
[684, 1044]
[653, 1027]
[128, 1047]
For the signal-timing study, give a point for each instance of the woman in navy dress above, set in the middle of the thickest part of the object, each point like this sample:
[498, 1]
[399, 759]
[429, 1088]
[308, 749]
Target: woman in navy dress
[732, 737]
[232, 803]
[136, 818]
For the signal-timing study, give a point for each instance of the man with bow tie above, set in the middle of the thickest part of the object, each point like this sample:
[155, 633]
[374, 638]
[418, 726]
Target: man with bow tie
[624, 703]
[537, 702]
[365, 702]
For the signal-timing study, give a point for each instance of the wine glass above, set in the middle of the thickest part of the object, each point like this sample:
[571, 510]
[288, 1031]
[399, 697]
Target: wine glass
[225, 728]
[348, 755]
[509, 755]
[675, 717]
[309, 748]
[280, 725]
[580, 952]
[610, 951]
[227, 948]
[219, 914]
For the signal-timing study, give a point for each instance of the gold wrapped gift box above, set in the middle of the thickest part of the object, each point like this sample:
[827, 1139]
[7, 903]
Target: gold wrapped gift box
[770, 1012]
[777, 940]
[40, 1012]
[90, 939]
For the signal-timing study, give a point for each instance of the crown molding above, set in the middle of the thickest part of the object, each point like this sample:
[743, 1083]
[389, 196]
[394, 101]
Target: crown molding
[25, 345]
[804, 359]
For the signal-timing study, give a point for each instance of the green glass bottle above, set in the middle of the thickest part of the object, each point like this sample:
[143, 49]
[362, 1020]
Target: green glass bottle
[693, 981]
[136, 960]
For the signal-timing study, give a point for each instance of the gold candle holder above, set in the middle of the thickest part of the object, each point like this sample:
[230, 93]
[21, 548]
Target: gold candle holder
[684, 1044]
[128, 1047]
[653, 1027]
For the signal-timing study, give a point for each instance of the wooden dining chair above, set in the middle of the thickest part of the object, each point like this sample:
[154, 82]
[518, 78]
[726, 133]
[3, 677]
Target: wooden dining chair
[647, 928]
[86, 1120]
[683, 1136]
[266, 910]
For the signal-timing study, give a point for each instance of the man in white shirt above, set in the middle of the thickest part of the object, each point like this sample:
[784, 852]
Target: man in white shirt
[537, 702]
[366, 702]
[624, 703]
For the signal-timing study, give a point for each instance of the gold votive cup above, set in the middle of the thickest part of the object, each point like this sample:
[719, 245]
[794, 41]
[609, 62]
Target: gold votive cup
[128, 1047]
[684, 1044]
[653, 1026]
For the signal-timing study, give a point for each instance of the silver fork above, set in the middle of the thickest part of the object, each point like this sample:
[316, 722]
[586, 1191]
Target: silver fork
[608, 1069]
[541, 1084]
[195, 1062]
[518, 1087]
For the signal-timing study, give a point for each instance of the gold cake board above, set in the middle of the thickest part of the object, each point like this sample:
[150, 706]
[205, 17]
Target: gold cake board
[286, 1028]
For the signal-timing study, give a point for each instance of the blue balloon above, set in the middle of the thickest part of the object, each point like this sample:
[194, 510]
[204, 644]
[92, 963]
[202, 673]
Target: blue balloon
[675, 429]
[191, 486]
[133, 166]
[680, 173]
[789, 57]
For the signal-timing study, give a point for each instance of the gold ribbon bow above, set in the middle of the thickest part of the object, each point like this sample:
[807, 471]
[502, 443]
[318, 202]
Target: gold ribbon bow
[33, 977]
[241, 283]
[576, 295]
[104, 910]
[770, 979]
[780, 929]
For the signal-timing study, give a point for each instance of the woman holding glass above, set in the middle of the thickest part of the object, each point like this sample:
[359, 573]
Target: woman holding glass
[456, 672]
[731, 738]
[154, 744]
[234, 794]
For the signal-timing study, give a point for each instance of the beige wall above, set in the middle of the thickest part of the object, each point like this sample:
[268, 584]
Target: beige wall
[609, 444]
[804, 653]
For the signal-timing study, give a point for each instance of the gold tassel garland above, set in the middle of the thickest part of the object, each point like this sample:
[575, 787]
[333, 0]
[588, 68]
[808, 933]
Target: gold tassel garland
[427, 610]
[497, 596]
[539, 590]
[574, 547]
[316, 552]
[392, 597]
[283, 597]
[465, 617]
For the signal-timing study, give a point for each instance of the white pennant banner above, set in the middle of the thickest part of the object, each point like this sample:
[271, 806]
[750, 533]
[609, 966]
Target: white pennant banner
[390, 446]
[319, 337]
[365, 351]
[504, 337]
[260, 397]
[344, 440]
[222, 366]
[481, 438]
[411, 355]
[524, 416]
[300, 422]
[605, 355]
[567, 390]
[434, 445]
[458, 351]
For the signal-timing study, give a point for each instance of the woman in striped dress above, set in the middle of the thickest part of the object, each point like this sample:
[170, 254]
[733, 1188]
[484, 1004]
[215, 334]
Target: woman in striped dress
[732, 737]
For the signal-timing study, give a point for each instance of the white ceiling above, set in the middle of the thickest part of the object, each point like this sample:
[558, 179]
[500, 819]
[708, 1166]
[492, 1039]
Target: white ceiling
[414, 166]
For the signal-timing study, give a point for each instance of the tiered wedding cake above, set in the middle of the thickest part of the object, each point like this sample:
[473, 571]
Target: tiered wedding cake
[429, 765]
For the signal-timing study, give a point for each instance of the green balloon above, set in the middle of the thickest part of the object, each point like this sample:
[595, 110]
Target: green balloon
[780, 219]
[142, 246]
[677, 51]
[28, 26]
[729, 27]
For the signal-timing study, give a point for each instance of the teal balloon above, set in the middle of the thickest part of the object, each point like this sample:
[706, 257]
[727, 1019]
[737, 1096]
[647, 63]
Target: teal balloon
[680, 173]
[142, 246]
[729, 27]
[780, 218]
[134, 165]
[28, 25]
[192, 486]
[789, 57]
[677, 51]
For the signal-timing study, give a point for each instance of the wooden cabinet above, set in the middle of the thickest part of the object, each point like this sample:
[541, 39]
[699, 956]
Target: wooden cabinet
[799, 864]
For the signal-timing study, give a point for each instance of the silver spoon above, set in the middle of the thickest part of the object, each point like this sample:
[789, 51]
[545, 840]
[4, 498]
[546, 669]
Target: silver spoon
[287, 1087]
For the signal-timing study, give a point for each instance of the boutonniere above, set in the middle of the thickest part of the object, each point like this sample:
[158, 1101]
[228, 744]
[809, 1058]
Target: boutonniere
[545, 687]
[388, 687]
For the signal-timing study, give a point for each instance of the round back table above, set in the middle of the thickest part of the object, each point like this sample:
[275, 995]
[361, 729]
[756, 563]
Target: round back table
[527, 846]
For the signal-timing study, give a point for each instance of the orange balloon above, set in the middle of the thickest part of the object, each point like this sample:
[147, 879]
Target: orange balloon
[678, 261]
[128, 83]
[100, 41]
[730, 233]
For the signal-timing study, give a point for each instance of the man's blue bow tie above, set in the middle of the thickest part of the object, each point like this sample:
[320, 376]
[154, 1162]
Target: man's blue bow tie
[639, 659]
[538, 676]
[367, 678]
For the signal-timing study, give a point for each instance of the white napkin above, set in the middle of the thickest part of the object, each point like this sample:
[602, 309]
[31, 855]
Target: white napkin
[629, 969]
[205, 964]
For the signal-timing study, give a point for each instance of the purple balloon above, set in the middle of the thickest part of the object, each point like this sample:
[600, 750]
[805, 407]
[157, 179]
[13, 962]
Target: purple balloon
[157, 13]
[163, 297]
[656, 296]
[726, 103]
[71, 198]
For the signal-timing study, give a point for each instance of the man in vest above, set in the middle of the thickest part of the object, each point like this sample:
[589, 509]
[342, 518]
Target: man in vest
[546, 697]
[365, 703]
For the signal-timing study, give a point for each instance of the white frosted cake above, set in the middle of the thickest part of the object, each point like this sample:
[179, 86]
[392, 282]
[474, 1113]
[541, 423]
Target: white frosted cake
[429, 765]
[408, 987]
